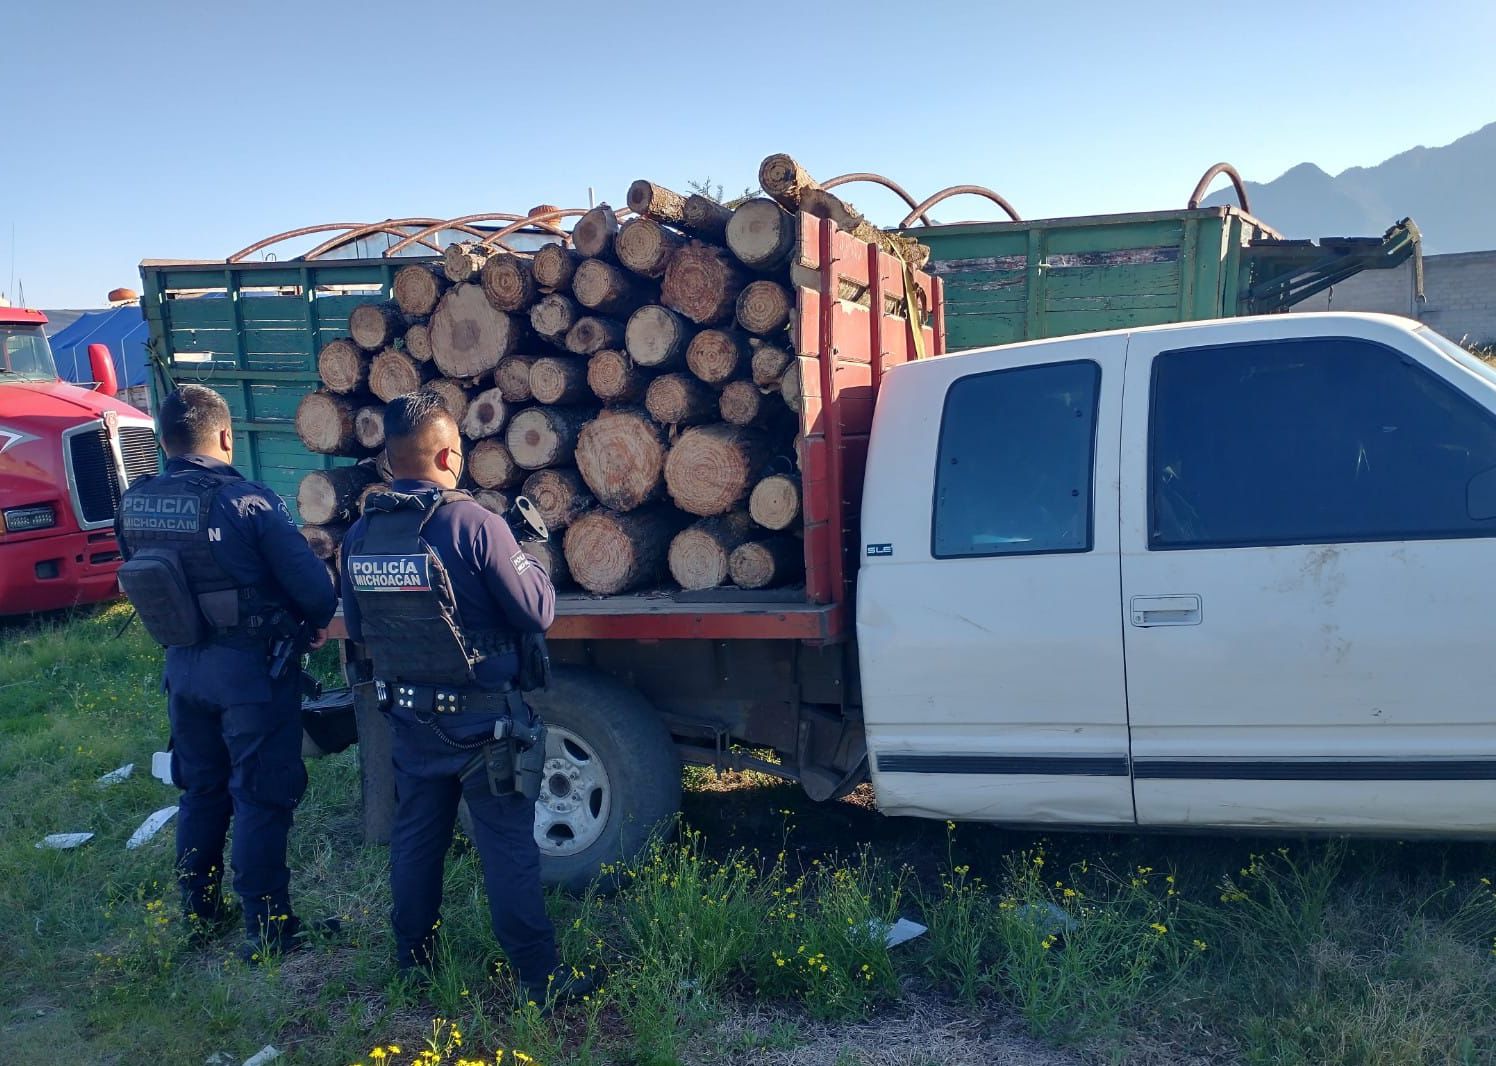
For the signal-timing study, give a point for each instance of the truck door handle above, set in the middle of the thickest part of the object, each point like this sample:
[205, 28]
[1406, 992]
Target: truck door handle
[1148, 611]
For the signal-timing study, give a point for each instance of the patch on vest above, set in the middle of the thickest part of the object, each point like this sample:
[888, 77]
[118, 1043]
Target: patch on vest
[520, 561]
[160, 514]
[390, 573]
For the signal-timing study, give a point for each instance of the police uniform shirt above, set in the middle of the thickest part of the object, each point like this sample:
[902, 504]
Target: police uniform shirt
[496, 585]
[254, 540]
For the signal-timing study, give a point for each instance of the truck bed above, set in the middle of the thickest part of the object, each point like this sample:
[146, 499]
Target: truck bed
[721, 614]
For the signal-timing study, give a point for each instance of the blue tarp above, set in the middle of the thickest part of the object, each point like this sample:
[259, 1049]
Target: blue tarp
[123, 329]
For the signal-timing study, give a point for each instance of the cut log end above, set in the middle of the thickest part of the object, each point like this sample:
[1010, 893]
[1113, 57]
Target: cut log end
[614, 378]
[711, 469]
[680, 400]
[593, 235]
[554, 315]
[453, 396]
[717, 356]
[376, 325]
[657, 337]
[645, 246]
[705, 217]
[326, 496]
[395, 373]
[485, 415]
[368, 426]
[606, 288]
[418, 342]
[545, 436]
[609, 553]
[553, 267]
[621, 456]
[769, 363]
[655, 202]
[784, 179]
[702, 283]
[764, 563]
[552, 560]
[418, 287]
[508, 281]
[764, 307]
[592, 334]
[464, 260]
[469, 336]
[699, 553]
[560, 495]
[513, 377]
[558, 379]
[742, 403]
[324, 540]
[491, 466]
[762, 234]
[343, 366]
[325, 423]
[775, 501]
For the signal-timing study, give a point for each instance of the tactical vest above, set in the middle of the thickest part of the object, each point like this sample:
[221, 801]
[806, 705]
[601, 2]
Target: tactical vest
[411, 626]
[181, 593]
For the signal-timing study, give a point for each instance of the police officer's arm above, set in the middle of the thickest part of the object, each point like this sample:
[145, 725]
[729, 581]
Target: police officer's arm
[517, 583]
[290, 561]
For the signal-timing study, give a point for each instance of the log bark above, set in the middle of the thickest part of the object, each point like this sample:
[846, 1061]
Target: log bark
[332, 495]
[680, 400]
[485, 415]
[558, 379]
[762, 234]
[343, 366]
[760, 564]
[462, 261]
[655, 202]
[621, 455]
[615, 378]
[657, 337]
[789, 386]
[418, 342]
[552, 560]
[607, 289]
[716, 356]
[489, 500]
[560, 495]
[711, 469]
[609, 553]
[376, 326]
[646, 247]
[418, 287]
[373, 488]
[513, 377]
[324, 422]
[699, 553]
[545, 436]
[592, 237]
[394, 373]
[592, 334]
[454, 397]
[775, 501]
[469, 335]
[324, 540]
[554, 316]
[491, 466]
[706, 218]
[368, 426]
[702, 283]
[554, 266]
[764, 307]
[785, 180]
[743, 403]
[508, 281]
[769, 363]
[822, 204]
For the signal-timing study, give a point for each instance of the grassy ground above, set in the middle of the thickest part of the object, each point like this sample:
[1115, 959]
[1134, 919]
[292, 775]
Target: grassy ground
[752, 938]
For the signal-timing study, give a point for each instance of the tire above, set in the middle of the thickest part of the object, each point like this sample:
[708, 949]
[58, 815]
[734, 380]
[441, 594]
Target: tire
[621, 773]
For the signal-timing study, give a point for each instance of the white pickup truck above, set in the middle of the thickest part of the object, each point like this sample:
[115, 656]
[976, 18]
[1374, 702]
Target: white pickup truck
[1236, 573]
[1227, 574]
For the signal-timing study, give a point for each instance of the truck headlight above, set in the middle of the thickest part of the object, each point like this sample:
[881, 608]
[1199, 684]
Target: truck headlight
[26, 519]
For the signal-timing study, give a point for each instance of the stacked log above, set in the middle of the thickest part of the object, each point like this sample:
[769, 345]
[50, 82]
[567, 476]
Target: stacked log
[638, 382]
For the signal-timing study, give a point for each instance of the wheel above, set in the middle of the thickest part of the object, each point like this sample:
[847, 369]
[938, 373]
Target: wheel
[612, 775]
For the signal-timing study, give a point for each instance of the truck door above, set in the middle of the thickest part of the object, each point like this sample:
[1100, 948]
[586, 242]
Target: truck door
[1307, 598]
[989, 641]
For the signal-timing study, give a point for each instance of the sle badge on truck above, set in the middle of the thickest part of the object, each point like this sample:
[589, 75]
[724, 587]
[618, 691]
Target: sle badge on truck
[877, 551]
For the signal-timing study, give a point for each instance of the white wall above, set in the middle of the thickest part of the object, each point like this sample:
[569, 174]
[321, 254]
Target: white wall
[1459, 291]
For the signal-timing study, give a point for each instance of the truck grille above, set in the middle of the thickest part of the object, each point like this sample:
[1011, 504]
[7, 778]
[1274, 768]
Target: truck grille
[94, 473]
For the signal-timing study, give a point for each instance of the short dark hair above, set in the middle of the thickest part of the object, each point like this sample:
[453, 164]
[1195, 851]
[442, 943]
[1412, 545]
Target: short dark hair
[407, 417]
[190, 418]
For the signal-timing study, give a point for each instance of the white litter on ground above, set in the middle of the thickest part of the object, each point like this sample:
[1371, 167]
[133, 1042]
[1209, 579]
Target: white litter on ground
[161, 767]
[114, 777]
[64, 841]
[261, 1057]
[900, 932]
[149, 828]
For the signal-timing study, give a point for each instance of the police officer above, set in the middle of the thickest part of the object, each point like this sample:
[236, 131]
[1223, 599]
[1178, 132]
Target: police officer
[218, 573]
[443, 599]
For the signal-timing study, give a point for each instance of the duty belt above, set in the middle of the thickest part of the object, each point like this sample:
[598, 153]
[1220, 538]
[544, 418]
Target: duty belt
[437, 700]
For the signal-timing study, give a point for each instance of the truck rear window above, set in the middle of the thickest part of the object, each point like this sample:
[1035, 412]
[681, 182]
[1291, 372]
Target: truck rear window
[1014, 467]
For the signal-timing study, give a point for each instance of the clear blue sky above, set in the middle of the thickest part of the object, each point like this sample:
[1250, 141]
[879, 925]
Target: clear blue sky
[187, 130]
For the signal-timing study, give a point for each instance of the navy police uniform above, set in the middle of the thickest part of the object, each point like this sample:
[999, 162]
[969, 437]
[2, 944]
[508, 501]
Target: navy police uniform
[236, 732]
[483, 592]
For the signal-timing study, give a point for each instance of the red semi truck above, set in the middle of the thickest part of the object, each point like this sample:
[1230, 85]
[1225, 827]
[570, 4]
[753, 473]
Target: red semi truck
[66, 454]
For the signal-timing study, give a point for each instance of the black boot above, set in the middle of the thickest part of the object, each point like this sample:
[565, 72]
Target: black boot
[284, 936]
[562, 986]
